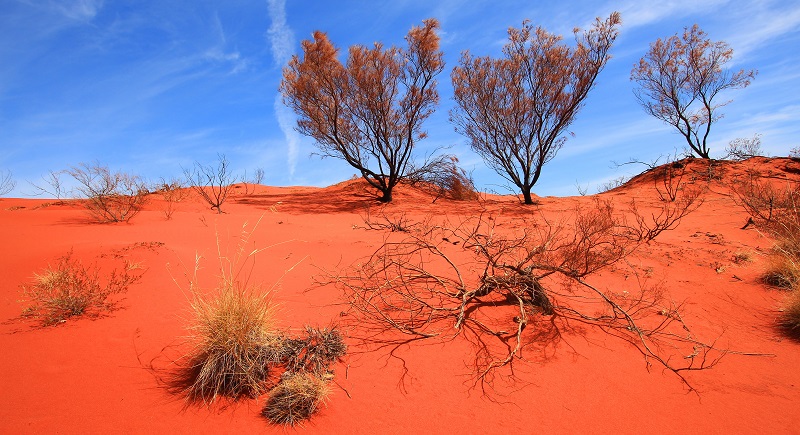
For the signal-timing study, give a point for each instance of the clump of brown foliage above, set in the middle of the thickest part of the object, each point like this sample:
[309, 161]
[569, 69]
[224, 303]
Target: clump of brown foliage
[71, 289]
[445, 179]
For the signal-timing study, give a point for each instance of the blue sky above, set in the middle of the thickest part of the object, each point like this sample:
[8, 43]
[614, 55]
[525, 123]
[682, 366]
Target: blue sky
[148, 87]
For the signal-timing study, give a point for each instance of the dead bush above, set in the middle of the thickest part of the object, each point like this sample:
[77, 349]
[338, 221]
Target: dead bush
[505, 283]
[53, 186]
[612, 184]
[109, 196]
[172, 192]
[213, 184]
[295, 398]
[315, 352]
[445, 179]
[72, 289]
[743, 148]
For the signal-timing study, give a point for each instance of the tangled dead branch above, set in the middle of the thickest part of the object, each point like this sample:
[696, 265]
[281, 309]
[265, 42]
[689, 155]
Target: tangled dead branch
[501, 284]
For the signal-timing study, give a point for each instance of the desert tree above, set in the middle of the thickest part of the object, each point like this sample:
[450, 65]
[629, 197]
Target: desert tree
[679, 81]
[369, 111]
[516, 109]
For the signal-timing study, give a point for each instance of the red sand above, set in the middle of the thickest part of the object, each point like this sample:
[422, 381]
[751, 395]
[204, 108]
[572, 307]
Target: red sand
[97, 376]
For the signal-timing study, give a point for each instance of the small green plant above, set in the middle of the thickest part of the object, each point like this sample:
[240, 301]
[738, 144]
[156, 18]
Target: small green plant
[71, 289]
[296, 398]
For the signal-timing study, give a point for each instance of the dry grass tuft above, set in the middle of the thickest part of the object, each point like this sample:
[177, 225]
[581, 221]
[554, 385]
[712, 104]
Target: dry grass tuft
[71, 289]
[742, 257]
[236, 343]
[790, 319]
[782, 272]
[295, 398]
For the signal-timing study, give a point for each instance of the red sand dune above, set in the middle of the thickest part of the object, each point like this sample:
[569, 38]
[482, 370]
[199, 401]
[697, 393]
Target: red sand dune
[102, 375]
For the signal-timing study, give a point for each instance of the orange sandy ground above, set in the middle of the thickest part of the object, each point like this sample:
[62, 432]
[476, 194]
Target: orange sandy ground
[102, 375]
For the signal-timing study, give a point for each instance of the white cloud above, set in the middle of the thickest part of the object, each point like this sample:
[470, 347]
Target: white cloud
[287, 121]
[282, 40]
[760, 24]
[280, 34]
[637, 13]
[81, 10]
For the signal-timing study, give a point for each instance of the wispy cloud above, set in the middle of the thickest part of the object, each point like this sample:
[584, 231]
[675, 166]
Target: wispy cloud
[280, 34]
[637, 13]
[281, 39]
[762, 23]
[81, 10]
[220, 55]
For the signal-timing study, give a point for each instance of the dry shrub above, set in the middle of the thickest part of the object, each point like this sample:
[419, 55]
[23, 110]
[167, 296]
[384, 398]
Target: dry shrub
[775, 209]
[173, 192]
[445, 179]
[109, 196]
[296, 398]
[315, 352]
[507, 283]
[612, 184]
[790, 318]
[7, 182]
[236, 344]
[71, 289]
[213, 184]
[238, 349]
[783, 270]
[742, 148]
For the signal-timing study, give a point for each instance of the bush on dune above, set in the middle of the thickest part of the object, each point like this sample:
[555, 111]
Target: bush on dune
[71, 289]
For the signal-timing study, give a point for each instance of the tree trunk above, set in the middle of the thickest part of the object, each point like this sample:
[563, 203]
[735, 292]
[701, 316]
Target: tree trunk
[526, 195]
[387, 195]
